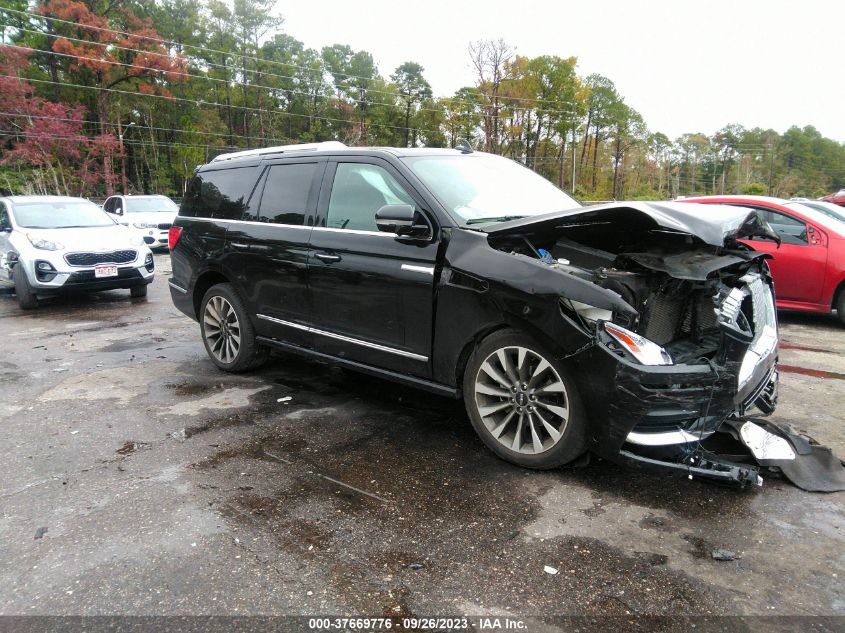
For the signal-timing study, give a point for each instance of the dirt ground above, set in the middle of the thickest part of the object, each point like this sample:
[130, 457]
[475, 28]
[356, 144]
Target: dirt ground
[137, 479]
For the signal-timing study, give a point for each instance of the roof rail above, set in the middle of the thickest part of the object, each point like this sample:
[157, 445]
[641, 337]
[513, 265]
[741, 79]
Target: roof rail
[279, 149]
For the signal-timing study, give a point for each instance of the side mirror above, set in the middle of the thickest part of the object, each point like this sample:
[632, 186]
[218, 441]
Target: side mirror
[118, 211]
[401, 219]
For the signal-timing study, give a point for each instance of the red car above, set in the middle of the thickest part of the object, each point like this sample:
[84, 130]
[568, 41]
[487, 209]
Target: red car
[836, 198]
[809, 265]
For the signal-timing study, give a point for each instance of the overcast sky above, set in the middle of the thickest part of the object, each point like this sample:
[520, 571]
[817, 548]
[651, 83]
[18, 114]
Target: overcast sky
[686, 66]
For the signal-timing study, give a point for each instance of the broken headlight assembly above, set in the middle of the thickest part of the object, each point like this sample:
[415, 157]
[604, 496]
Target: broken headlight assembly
[644, 351]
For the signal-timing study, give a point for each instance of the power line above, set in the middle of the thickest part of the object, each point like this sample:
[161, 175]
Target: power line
[176, 44]
[146, 127]
[80, 138]
[260, 73]
[200, 102]
[204, 77]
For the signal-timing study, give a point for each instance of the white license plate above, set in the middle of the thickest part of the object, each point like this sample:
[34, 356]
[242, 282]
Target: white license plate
[105, 271]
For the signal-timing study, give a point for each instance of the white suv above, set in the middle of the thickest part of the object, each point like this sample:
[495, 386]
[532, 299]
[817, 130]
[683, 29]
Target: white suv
[54, 244]
[149, 216]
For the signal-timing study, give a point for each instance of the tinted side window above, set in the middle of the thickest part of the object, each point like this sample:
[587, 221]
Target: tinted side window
[791, 230]
[5, 223]
[219, 194]
[359, 190]
[285, 197]
[109, 205]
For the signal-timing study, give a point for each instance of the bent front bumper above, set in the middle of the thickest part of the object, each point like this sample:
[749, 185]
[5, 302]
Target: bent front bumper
[657, 415]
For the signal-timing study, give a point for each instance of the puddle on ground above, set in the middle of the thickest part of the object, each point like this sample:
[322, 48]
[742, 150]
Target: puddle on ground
[454, 520]
[192, 389]
[125, 346]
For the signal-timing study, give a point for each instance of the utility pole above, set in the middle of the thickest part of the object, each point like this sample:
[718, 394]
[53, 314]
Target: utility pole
[572, 183]
[122, 154]
[771, 167]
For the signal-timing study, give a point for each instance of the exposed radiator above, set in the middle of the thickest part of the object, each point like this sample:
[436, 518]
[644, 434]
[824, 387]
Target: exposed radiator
[671, 317]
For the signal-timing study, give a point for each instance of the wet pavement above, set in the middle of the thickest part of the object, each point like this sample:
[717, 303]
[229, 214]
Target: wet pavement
[138, 479]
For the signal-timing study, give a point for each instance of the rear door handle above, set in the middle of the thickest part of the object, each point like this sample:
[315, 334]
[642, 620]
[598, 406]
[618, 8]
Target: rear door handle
[325, 257]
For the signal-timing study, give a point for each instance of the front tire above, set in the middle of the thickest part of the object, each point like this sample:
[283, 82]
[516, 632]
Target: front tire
[137, 292]
[840, 307]
[227, 332]
[522, 402]
[26, 297]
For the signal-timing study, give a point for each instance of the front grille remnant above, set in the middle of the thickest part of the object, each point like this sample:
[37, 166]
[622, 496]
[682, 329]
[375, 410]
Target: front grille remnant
[93, 259]
[671, 318]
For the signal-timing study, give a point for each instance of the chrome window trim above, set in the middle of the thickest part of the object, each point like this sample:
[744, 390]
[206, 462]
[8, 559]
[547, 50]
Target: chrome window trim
[427, 270]
[354, 231]
[287, 226]
[347, 339]
[175, 287]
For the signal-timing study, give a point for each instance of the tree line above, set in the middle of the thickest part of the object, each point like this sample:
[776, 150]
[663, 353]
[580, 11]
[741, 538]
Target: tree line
[98, 96]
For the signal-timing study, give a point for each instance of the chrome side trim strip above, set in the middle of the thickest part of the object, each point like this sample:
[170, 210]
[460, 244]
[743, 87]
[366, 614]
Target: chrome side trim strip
[347, 339]
[428, 270]
[354, 231]
[287, 226]
[665, 438]
[175, 287]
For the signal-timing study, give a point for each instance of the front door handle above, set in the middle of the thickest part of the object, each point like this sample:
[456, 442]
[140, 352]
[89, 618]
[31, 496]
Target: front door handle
[325, 257]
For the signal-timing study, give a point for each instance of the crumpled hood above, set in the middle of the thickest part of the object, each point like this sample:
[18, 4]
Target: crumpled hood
[96, 238]
[713, 224]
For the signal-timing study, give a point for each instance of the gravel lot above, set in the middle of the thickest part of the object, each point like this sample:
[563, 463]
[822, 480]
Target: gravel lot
[168, 487]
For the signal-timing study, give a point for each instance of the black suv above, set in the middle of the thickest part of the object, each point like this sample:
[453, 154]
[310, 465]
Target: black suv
[632, 330]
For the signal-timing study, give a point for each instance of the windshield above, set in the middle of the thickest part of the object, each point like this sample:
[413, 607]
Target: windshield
[827, 208]
[61, 214]
[159, 204]
[483, 187]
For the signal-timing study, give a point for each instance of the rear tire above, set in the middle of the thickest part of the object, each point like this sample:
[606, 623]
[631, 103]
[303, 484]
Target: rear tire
[26, 297]
[136, 292]
[840, 307]
[522, 402]
[227, 332]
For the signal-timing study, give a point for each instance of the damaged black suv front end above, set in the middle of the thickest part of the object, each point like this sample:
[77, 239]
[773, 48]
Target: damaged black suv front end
[719, 361]
[682, 337]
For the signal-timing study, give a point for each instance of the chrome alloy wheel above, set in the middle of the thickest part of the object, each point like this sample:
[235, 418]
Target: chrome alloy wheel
[522, 400]
[221, 329]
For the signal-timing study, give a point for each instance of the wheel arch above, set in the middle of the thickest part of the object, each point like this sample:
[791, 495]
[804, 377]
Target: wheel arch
[205, 281]
[510, 322]
[837, 294]
[469, 347]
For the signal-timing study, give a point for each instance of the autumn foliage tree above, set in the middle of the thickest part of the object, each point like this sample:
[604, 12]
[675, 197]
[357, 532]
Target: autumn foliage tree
[117, 48]
[46, 136]
[198, 77]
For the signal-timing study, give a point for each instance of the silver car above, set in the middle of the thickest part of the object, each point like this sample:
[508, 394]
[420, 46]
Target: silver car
[55, 244]
[150, 216]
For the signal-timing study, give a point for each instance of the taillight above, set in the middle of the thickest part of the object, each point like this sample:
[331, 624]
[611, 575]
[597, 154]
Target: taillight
[173, 236]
